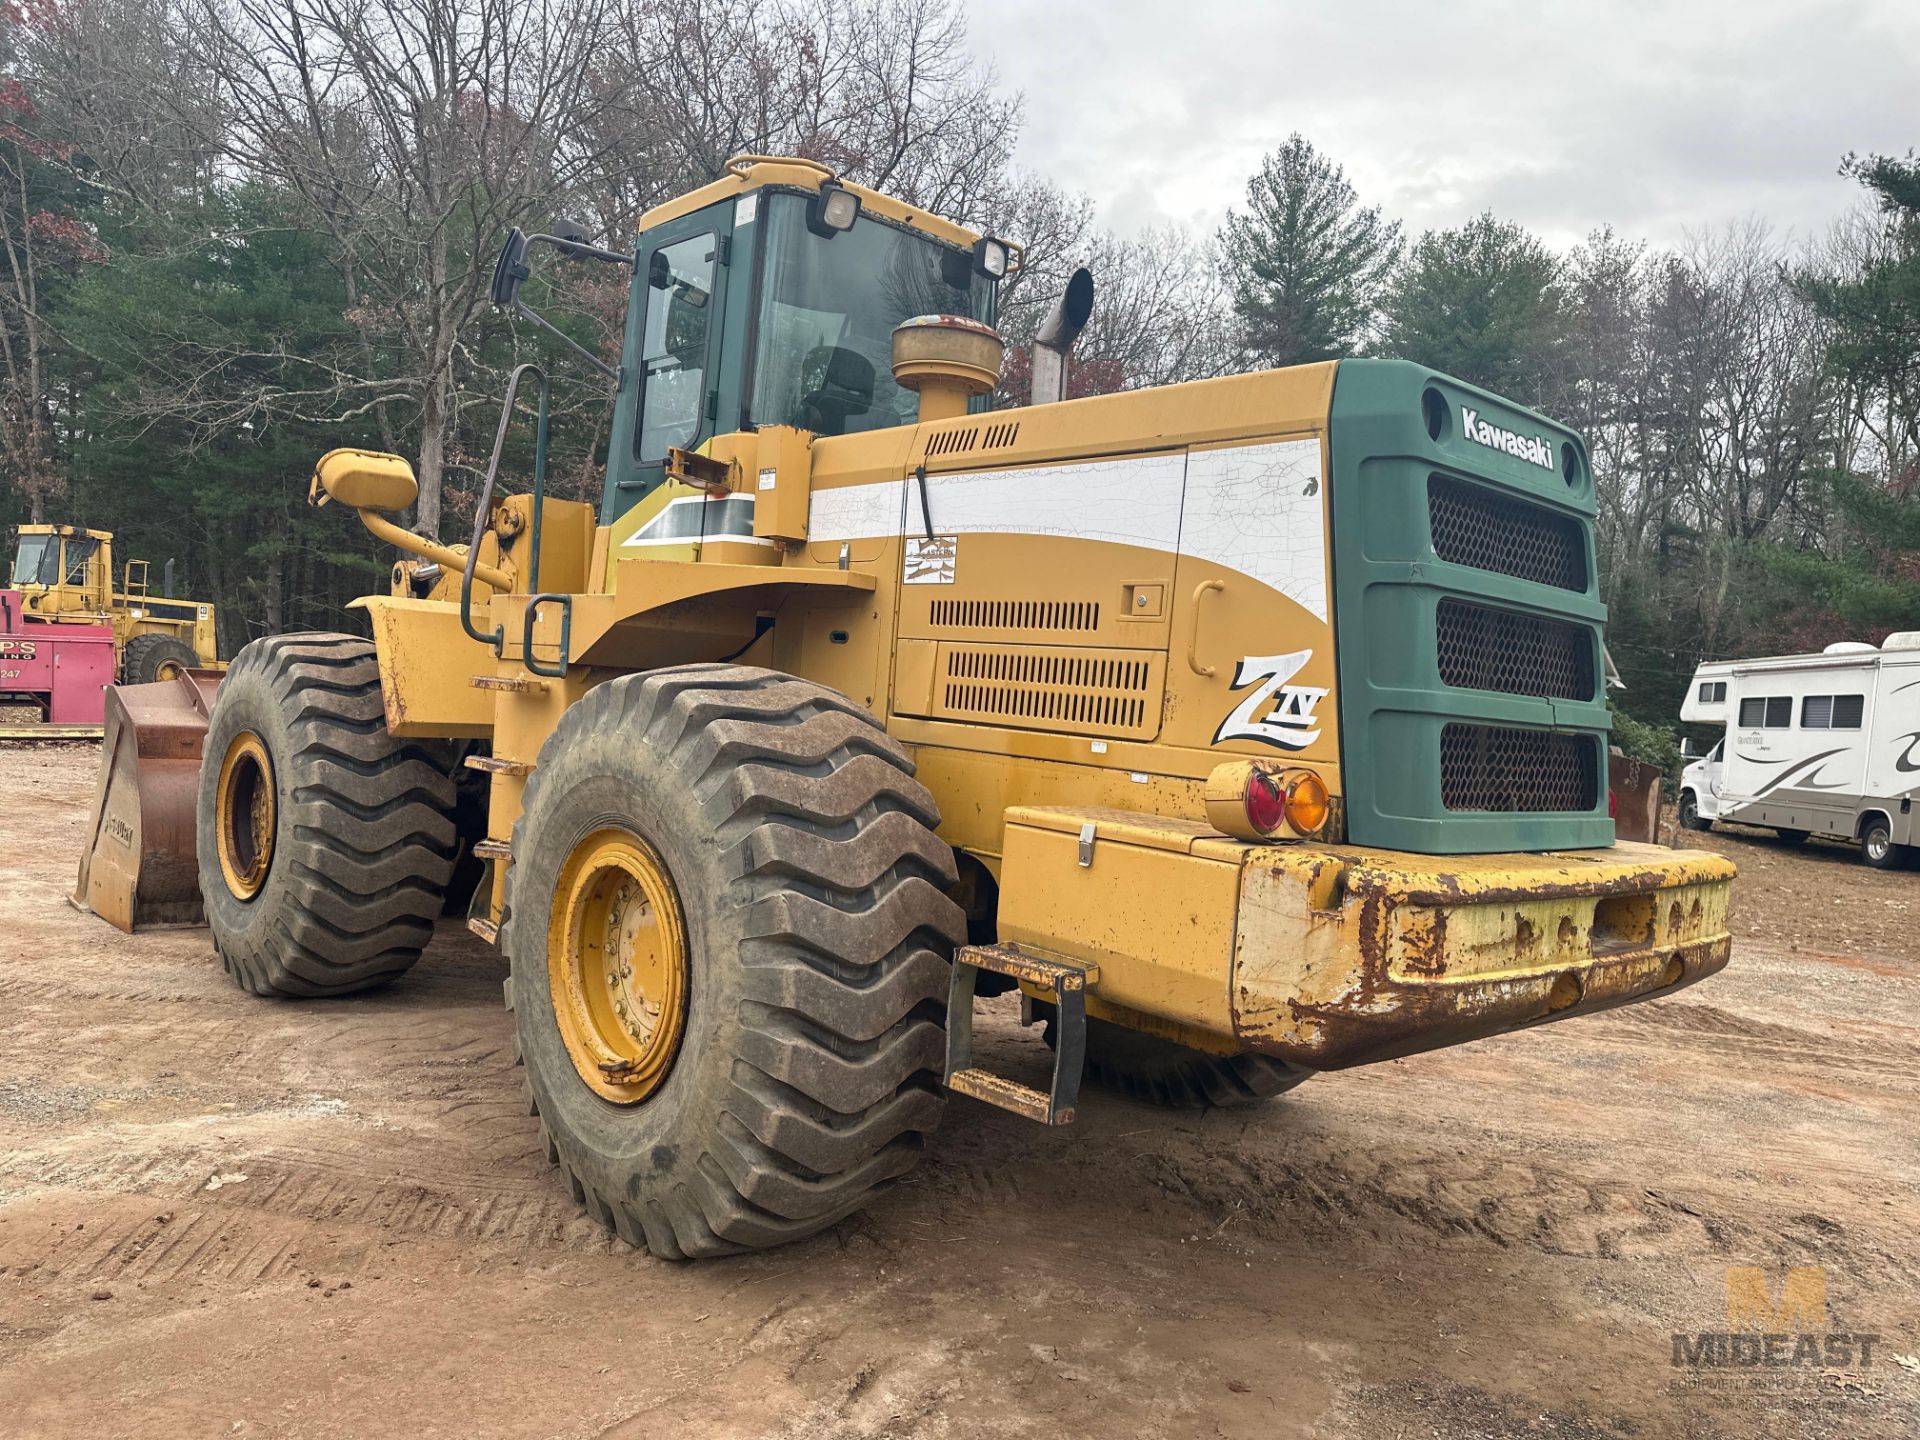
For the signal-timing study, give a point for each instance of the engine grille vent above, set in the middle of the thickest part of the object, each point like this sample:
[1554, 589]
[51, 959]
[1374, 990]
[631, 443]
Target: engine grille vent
[996, 436]
[1100, 692]
[1015, 614]
[1509, 536]
[1490, 767]
[953, 442]
[1487, 649]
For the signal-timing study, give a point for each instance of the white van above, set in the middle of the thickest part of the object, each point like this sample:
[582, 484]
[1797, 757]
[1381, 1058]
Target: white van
[1825, 744]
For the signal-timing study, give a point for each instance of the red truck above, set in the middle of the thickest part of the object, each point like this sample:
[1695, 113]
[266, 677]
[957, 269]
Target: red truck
[51, 675]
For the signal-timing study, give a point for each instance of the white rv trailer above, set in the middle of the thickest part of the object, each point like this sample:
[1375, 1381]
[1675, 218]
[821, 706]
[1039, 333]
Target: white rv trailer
[1825, 744]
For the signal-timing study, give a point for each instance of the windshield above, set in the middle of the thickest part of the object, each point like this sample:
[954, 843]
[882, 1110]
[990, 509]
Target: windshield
[824, 359]
[37, 561]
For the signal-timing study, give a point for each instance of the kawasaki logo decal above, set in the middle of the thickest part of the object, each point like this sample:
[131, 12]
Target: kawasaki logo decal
[1290, 723]
[1525, 447]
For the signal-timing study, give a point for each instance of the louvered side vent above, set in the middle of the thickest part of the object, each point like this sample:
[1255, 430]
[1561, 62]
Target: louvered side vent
[1000, 436]
[1027, 687]
[1073, 615]
[953, 442]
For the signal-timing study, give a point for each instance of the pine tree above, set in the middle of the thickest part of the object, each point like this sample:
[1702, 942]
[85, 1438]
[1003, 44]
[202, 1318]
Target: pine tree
[1305, 263]
[1485, 303]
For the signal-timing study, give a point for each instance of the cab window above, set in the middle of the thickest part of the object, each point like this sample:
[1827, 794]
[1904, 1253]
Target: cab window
[79, 552]
[679, 325]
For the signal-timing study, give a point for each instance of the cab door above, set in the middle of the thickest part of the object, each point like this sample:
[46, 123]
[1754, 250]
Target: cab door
[675, 349]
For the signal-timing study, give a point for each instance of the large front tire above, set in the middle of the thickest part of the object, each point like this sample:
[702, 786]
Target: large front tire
[754, 849]
[324, 843]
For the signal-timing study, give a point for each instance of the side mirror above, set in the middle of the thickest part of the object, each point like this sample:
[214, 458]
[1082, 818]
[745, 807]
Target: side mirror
[1686, 748]
[510, 270]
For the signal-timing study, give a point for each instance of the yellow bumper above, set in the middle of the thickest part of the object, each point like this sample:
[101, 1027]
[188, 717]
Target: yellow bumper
[1332, 955]
[1345, 956]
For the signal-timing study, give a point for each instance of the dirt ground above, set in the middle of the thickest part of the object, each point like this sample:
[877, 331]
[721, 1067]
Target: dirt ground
[220, 1215]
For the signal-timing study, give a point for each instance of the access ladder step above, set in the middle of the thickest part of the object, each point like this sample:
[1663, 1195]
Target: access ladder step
[1068, 984]
[492, 850]
[513, 684]
[498, 767]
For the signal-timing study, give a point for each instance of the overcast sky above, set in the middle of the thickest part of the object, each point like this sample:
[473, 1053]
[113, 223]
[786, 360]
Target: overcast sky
[1563, 116]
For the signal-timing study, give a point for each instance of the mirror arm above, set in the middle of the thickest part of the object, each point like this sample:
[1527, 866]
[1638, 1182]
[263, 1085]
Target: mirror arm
[613, 373]
[580, 250]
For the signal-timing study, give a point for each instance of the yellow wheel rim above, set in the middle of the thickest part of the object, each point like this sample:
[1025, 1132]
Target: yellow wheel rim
[167, 669]
[617, 965]
[246, 815]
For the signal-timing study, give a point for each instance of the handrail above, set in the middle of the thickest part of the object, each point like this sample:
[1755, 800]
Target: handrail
[497, 640]
[558, 671]
[739, 164]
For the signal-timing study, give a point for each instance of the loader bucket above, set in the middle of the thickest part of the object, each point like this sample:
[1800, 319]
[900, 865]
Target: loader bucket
[139, 870]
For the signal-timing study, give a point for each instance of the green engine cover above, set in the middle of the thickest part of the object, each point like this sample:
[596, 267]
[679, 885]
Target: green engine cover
[1468, 619]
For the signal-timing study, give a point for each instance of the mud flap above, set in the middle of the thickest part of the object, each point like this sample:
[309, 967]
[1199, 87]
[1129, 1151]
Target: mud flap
[139, 870]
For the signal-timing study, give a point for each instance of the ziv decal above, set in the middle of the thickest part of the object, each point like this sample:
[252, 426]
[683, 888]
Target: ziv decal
[1290, 723]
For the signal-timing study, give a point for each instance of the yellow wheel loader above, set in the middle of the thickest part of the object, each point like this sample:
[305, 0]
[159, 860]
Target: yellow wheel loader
[66, 576]
[1248, 728]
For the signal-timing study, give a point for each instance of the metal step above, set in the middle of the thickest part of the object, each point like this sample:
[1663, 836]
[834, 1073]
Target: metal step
[515, 684]
[1068, 984]
[492, 850]
[497, 767]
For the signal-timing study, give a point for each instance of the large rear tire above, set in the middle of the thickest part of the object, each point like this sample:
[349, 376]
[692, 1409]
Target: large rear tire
[155, 657]
[754, 849]
[1161, 1072]
[324, 843]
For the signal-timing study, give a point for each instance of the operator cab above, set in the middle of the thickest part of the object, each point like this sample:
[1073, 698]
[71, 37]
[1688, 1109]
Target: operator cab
[45, 557]
[770, 297]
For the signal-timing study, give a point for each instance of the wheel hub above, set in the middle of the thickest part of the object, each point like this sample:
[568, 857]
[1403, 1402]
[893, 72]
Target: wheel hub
[617, 965]
[247, 815]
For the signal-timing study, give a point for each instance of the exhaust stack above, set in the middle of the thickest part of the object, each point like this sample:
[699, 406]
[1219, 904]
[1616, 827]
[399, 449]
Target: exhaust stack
[1054, 343]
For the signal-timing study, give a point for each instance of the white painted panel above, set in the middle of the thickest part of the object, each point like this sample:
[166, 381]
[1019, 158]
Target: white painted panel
[854, 512]
[1135, 501]
[1257, 509]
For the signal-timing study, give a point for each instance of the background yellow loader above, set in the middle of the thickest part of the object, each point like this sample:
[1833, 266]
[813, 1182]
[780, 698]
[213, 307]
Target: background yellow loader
[1251, 728]
[66, 576]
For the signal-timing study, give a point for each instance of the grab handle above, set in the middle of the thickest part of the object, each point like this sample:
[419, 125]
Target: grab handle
[1193, 635]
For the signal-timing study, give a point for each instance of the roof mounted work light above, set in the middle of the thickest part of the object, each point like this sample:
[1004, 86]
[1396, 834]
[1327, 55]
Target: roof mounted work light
[990, 258]
[833, 210]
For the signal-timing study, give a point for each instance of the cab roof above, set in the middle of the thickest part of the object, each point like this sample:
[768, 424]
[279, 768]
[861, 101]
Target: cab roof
[759, 172]
[71, 532]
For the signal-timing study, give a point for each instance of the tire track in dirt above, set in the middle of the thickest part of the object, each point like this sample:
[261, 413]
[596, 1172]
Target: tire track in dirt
[1884, 1059]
